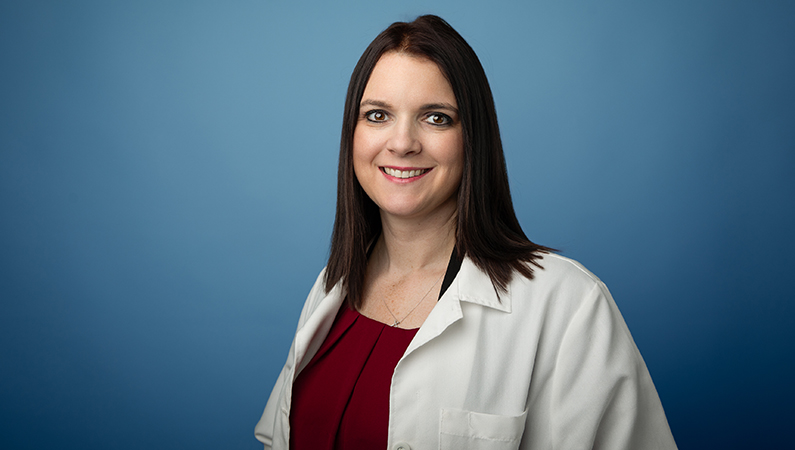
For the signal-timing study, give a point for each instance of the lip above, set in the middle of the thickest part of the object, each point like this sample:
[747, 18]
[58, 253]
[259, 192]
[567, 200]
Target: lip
[404, 180]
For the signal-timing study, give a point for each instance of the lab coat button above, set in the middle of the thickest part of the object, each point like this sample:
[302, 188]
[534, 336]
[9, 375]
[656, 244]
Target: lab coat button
[402, 446]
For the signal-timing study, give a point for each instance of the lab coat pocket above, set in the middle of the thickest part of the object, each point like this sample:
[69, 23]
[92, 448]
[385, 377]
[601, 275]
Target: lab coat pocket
[467, 430]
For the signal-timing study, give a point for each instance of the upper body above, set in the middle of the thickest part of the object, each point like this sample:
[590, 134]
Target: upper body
[512, 355]
[548, 364]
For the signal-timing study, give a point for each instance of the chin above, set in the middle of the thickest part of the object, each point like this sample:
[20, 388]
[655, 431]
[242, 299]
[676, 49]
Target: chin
[402, 212]
[399, 209]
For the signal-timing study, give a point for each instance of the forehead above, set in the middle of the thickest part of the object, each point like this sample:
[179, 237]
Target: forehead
[404, 77]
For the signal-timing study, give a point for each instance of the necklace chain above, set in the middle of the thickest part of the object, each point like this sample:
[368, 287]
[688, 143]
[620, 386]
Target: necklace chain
[397, 322]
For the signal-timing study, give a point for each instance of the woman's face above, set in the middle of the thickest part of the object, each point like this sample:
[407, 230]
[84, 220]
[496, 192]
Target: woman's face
[408, 146]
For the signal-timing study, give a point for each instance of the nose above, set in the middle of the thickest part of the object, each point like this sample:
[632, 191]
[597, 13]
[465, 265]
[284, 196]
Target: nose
[404, 140]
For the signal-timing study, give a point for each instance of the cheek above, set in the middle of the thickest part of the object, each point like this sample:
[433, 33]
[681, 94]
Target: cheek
[357, 160]
[361, 157]
[454, 153]
[364, 149]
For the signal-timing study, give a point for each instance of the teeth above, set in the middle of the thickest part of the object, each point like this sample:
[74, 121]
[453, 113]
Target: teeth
[404, 173]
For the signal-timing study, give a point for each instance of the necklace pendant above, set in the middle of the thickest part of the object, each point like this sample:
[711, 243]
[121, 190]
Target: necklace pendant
[397, 322]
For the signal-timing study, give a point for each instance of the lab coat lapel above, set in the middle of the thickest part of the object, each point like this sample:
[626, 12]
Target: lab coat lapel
[310, 337]
[446, 312]
[471, 285]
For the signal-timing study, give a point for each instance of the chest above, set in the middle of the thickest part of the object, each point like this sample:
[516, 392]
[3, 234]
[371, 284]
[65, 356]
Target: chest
[402, 301]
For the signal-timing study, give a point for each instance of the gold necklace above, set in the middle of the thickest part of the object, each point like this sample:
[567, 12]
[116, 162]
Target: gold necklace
[397, 322]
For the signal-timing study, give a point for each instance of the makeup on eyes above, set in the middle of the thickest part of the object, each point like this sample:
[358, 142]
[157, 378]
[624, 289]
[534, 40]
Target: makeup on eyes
[381, 116]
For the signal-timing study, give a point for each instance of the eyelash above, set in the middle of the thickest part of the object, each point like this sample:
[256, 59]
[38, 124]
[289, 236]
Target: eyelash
[447, 120]
[369, 115]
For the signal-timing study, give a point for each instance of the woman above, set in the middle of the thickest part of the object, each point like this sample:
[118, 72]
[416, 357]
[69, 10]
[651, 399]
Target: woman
[437, 323]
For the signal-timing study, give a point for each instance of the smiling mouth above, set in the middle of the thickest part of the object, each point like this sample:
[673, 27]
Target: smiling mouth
[403, 174]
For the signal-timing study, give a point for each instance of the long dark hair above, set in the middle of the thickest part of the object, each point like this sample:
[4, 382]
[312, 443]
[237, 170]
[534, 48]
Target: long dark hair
[487, 229]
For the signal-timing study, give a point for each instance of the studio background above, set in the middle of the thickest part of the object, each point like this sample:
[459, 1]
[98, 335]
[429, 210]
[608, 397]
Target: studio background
[167, 189]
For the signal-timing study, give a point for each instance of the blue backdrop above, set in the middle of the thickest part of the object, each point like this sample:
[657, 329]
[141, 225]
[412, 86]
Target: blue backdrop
[167, 178]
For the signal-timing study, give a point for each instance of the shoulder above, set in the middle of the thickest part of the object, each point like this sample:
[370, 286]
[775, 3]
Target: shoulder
[559, 289]
[315, 297]
[556, 272]
[318, 288]
[553, 276]
[576, 308]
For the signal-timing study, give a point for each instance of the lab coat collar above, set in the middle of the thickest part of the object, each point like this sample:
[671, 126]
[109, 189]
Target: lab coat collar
[473, 285]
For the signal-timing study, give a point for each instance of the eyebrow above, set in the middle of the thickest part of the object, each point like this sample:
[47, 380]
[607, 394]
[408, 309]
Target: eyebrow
[424, 107]
[378, 103]
[446, 106]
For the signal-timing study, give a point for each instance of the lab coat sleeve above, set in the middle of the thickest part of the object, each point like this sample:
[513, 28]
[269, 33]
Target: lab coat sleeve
[602, 394]
[264, 429]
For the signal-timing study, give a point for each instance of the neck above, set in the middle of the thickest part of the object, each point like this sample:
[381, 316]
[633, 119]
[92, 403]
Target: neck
[410, 245]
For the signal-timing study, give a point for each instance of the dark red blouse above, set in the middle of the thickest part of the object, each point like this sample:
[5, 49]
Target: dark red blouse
[341, 398]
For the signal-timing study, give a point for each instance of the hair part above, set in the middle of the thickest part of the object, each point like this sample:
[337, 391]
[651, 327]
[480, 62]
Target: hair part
[487, 230]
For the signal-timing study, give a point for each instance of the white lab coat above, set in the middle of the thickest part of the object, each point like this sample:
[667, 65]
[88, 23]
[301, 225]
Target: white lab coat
[548, 365]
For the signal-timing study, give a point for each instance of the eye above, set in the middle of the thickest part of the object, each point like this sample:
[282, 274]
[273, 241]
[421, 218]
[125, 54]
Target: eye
[376, 116]
[438, 119]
